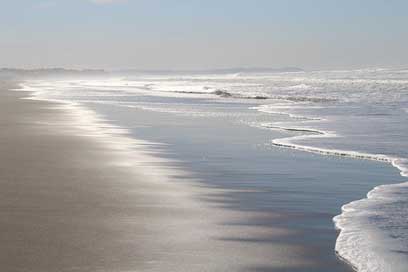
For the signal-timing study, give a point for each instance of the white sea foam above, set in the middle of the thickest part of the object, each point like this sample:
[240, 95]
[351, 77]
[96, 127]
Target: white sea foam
[284, 110]
[300, 87]
[296, 129]
[358, 103]
[373, 231]
[362, 244]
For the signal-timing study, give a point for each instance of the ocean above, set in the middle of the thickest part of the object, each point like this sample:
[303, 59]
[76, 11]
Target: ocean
[325, 150]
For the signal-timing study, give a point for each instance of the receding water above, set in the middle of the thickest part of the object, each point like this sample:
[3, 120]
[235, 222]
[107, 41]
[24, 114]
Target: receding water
[297, 144]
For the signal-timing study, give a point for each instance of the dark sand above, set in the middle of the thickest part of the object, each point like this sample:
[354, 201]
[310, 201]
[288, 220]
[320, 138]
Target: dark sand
[69, 202]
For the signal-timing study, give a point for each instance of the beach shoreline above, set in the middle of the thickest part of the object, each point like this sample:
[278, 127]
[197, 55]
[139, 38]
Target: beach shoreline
[169, 192]
[76, 198]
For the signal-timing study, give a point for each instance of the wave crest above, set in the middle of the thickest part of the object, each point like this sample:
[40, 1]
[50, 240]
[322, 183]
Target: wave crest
[360, 243]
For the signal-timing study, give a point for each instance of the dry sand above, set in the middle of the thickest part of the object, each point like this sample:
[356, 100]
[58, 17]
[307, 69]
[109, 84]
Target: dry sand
[70, 202]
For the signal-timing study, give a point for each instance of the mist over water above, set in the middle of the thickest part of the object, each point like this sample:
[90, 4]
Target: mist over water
[360, 114]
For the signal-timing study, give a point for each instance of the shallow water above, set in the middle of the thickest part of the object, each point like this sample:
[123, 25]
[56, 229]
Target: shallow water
[225, 130]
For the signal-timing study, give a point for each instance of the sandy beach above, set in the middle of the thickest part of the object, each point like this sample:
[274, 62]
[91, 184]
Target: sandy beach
[203, 136]
[70, 203]
[106, 176]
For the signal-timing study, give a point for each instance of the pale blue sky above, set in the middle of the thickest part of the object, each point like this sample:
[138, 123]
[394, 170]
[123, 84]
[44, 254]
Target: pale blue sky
[197, 34]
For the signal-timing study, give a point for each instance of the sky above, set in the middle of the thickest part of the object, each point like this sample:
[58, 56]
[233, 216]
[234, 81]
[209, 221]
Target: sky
[203, 34]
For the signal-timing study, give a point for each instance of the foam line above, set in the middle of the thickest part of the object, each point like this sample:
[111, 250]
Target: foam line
[267, 109]
[295, 129]
[359, 242]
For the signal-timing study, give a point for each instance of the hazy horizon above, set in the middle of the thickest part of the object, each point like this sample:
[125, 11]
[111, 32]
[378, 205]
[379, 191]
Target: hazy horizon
[197, 35]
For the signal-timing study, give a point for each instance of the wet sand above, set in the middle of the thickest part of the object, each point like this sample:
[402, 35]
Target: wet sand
[71, 202]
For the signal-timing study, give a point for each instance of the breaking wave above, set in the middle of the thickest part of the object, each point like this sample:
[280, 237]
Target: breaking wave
[373, 232]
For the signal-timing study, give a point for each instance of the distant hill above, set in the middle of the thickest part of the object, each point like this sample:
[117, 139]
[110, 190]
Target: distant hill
[51, 72]
[62, 72]
[213, 71]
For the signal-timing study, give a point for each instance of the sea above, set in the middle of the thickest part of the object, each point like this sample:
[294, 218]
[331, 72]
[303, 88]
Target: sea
[326, 150]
